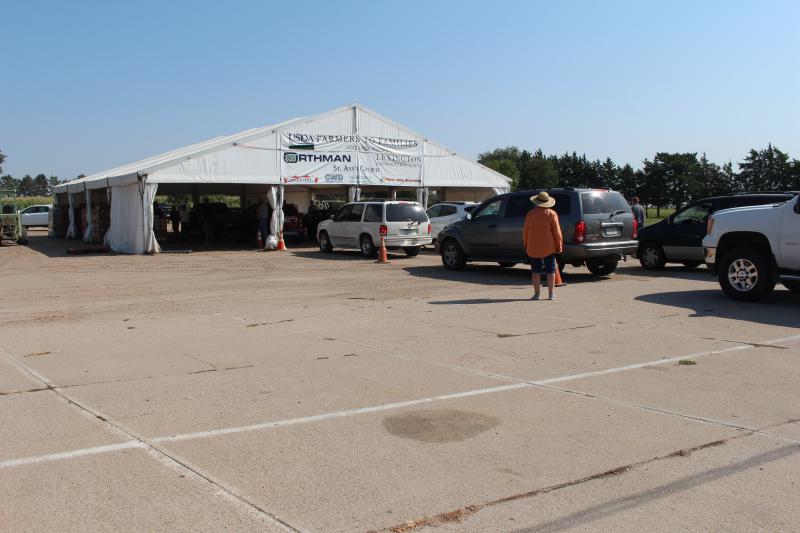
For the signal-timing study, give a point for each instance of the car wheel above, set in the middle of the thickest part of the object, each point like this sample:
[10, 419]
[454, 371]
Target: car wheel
[453, 257]
[651, 256]
[367, 248]
[692, 264]
[793, 286]
[506, 264]
[412, 251]
[325, 242]
[744, 275]
[602, 267]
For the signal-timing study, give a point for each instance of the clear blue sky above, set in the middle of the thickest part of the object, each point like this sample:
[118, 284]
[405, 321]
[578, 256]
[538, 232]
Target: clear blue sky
[89, 85]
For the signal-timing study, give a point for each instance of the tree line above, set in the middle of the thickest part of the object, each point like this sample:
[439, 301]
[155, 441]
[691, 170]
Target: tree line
[27, 185]
[669, 179]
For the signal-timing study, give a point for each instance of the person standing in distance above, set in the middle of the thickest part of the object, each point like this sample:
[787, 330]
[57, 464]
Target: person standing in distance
[638, 212]
[542, 240]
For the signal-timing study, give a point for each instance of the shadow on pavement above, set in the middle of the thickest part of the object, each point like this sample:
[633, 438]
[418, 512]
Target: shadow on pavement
[679, 272]
[488, 274]
[778, 309]
[476, 301]
[346, 255]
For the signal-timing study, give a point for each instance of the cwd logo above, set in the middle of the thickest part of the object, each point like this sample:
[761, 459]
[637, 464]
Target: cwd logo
[290, 157]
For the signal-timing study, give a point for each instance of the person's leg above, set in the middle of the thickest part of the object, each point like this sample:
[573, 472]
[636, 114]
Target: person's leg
[536, 275]
[263, 230]
[550, 269]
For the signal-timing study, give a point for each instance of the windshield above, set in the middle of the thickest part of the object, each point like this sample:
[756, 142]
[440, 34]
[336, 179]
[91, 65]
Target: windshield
[603, 202]
[405, 212]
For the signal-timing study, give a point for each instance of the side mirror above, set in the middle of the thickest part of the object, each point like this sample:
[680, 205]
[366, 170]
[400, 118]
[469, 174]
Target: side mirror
[469, 215]
[333, 217]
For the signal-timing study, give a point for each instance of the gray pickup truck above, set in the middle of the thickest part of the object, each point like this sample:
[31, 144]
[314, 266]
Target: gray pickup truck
[597, 225]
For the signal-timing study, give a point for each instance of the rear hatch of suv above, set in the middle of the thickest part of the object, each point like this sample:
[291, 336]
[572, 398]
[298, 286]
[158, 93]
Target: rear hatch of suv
[607, 217]
[406, 219]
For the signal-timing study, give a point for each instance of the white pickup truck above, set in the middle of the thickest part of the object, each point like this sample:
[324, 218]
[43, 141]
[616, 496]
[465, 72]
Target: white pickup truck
[752, 248]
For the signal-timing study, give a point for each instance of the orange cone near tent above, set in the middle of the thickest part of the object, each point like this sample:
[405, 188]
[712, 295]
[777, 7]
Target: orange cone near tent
[383, 256]
[281, 244]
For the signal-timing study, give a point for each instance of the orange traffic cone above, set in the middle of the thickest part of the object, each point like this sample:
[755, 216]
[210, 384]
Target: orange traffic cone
[559, 281]
[281, 244]
[383, 256]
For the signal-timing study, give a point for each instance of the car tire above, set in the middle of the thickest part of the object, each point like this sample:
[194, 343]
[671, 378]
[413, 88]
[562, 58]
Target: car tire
[367, 247]
[651, 256]
[793, 286]
[506, 264]
[692, 264]
[412, 251]
[602, 267]
[453, 257]
[744, 275]
[325, 245]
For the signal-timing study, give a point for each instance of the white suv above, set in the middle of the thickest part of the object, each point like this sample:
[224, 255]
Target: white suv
[447, 212]
[360, 226]
[751, 248]
[35, 215]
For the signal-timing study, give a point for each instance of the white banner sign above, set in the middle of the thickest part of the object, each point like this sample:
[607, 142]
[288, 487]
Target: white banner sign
[350, 160]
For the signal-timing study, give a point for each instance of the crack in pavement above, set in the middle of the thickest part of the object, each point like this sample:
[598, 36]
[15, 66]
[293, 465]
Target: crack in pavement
[461, 514]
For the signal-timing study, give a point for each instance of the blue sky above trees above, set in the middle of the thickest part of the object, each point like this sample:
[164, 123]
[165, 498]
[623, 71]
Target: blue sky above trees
[89, 85]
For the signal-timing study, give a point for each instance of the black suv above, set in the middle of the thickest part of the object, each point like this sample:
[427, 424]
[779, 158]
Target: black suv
[597, 225]
[679, 237]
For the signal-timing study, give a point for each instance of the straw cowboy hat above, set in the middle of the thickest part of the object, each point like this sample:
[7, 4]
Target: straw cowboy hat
[543, 200]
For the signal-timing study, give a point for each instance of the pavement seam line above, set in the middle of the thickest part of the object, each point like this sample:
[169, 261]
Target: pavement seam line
[463, 513]
[517, 384]
[139, 443]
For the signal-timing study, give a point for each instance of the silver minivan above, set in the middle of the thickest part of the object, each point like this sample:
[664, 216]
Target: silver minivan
[360, 226]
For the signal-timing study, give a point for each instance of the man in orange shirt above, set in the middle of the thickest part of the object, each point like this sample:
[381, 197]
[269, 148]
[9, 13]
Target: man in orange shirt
[542, 240]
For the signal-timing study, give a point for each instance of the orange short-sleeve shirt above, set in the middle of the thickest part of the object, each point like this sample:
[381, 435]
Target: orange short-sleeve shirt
[541, 235]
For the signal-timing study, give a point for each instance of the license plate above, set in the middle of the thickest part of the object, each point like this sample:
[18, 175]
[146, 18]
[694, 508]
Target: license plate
[413, 231]
[612, 232]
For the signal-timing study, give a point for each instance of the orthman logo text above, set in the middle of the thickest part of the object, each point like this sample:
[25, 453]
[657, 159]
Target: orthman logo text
[294, 157]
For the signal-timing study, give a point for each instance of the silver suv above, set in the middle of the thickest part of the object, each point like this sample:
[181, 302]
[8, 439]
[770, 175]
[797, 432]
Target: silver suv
[360, 226]
[597, 225]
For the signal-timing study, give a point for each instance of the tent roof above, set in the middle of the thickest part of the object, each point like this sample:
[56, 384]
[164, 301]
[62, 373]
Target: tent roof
[188, 165]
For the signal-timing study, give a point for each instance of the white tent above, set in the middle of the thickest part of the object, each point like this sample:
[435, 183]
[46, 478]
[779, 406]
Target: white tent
[351, 147]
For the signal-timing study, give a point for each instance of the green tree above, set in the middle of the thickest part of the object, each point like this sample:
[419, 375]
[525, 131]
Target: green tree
[25, 187]
[628, 182]
[53, 181]
[766, 170]
[2, 160]
[608, 174]
[503, 160]
[711, 178]
[9, 183]
[536, 171]
[41, 186]
[730, 178]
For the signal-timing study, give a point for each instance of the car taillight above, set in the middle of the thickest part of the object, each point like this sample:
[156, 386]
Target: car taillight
[710, 225]
[384, 230]
[430, 229]
[635, 229]
[580, 231]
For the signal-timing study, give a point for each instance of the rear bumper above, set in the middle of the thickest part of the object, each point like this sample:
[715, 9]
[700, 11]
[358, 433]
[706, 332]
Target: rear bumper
[400, 242]
[585, 251]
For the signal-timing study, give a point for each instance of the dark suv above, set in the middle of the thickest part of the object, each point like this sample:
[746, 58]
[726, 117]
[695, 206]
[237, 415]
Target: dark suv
[597, 225]
[679, 237]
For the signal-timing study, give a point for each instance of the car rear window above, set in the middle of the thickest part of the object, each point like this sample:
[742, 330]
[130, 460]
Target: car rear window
[603, 202]
[518, 206]
[404, 212]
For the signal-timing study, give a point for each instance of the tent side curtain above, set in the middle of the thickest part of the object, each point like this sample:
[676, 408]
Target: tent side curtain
[131, 229]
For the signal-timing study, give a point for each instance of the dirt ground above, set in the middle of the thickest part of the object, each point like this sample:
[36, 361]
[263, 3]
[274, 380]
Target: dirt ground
[298, 391]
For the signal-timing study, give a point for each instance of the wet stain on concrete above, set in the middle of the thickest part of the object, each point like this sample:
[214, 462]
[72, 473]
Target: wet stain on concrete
[439, 425]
